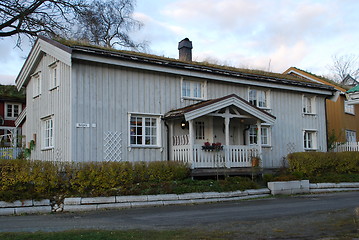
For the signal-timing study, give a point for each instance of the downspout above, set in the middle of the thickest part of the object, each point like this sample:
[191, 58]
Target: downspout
[326, 122]
[168, 139]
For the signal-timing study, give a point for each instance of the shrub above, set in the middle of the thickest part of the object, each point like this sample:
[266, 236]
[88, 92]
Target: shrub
[318, 163]
[24, 179]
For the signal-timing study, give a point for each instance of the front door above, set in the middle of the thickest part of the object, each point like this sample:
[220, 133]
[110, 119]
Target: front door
[203, 130]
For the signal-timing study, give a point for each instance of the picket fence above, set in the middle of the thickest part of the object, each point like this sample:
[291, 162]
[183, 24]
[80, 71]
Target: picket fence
[346, 147]
[10, 152]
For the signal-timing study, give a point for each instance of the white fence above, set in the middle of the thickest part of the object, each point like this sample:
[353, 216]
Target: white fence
[346, 147]
[10, 152]
[230, 156]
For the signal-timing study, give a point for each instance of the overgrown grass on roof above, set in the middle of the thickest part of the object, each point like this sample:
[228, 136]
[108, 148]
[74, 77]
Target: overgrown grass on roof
[254, 72]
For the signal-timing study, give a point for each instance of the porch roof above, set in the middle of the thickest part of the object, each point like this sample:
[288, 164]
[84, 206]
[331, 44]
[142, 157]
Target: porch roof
[203, 108]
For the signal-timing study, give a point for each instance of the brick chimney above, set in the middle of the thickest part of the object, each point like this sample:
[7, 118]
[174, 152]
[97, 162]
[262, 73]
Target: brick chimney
[185, 50]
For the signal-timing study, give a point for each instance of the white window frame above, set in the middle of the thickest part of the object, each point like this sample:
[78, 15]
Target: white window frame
[350, 136]
[253, 138]
[36, 87]
[191, 89]
[308, 105]
[54, 76]
[310, 139]
[255, 100]
[12, 117]
[349, 108]
[48, 133]
[132, 134]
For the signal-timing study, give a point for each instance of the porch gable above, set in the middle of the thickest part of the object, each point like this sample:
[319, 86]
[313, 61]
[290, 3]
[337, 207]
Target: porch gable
[210, 106]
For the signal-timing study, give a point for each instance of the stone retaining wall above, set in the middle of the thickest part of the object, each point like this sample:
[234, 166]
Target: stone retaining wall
[116, 202]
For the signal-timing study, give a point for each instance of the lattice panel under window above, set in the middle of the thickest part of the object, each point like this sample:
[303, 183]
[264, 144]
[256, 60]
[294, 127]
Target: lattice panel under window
[112, 146]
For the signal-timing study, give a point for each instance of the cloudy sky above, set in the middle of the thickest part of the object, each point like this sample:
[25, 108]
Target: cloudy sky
[270, 35]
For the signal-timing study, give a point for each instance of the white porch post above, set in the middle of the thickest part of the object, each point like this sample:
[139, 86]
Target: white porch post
[170, 144]
[226, 127]
[259, 139]
[191, 142]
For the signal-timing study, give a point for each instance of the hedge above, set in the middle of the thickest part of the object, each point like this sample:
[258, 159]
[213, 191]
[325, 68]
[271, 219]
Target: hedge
[25, 179]
[319, 163]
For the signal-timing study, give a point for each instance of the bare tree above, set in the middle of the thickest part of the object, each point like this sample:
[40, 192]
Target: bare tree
[101, 22]
[32, 17]
[344, 65]
[107, 23]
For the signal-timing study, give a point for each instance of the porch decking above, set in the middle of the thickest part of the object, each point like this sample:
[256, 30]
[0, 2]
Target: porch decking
[232, 156]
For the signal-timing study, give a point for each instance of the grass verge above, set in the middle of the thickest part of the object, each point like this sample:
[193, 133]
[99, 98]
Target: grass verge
[118, 235]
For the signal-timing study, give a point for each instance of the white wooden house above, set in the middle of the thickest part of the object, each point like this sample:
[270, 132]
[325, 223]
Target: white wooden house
[92, 104]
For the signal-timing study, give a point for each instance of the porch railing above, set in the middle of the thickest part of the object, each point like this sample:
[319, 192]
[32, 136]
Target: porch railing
[231, 156]
[346, 147]
[10, 152]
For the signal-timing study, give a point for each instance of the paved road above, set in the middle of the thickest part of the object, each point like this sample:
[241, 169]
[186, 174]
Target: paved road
[264, 216]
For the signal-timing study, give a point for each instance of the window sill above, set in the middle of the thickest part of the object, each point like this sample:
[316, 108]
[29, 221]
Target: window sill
[37, 96]
[349, 113]
[54, 88]
[144, 146]
[193, 98]
[47, 148]
[10, 118]
[310, 149]
[309, 114]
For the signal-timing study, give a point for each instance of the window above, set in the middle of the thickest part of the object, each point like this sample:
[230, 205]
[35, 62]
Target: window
[310, 139]
[350, 136]
[199, 127]
[12, 110]
[48, 133]
[193, 89]
[36, 79]
[258, 98]
[308, 105]
[265, 135]
[144, 130]
[54, 76]
[348, 108]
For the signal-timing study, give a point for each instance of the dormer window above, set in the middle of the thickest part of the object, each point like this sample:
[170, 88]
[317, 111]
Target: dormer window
[193, 89]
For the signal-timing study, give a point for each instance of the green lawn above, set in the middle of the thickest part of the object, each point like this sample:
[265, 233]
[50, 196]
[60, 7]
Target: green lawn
[117, 235]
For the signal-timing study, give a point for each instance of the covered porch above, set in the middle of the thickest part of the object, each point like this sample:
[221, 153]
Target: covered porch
[218, 133]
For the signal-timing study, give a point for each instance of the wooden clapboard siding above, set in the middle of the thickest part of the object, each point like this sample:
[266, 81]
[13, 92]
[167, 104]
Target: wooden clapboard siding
[105, 95]
[339, 121]
[57, 103]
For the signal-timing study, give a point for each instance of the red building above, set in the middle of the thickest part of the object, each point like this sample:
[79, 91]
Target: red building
[12, 103]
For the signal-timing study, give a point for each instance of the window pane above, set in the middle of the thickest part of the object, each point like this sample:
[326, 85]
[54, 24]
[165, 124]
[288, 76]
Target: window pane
[186, 89]
[197, 90]
[16, 110]
[261, 98]
[136, 130]
[9, 110]
[265, 135]
[253, 97]
[253, 134]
